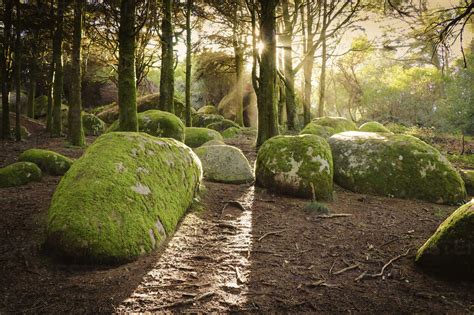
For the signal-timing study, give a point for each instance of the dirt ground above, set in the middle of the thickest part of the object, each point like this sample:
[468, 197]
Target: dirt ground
[268, 255]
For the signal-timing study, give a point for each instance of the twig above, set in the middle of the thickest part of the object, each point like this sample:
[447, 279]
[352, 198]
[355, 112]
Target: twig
[239, 276]
[271, 233]
[335, 215]
[380, 274]
[396, 239]
[184, 302]
[346, 269]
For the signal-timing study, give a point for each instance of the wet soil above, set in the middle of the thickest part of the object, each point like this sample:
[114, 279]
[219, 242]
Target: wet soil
[241, 249]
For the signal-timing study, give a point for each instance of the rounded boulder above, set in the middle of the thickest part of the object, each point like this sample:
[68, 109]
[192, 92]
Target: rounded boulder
[48, 161]
[195, 136]
[18, 174]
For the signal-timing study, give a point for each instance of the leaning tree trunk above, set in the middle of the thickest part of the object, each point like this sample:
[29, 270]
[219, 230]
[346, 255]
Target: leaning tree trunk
[188, 63]
[127, 90]
[33, 74]
[167, 59]
[76, 131]
[58, 73]
[266, 100]
[18, 73]
[4, 65]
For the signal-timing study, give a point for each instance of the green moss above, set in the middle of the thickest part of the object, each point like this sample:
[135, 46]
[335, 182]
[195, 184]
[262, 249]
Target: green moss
[314, 129]
[195, 137]
[231, 132]
[93, 125]
[157, 123]
[19, 173]
[48, 161]
[203, 120]
[222, 125]
[451, 248]
[225, 164]
[462, 160]
[122, 197]
[394, 165]
[468, 178]
[213, 142]
[318, 207]
[208, 109]
[373, 126]
[295, 165]
[339, 124]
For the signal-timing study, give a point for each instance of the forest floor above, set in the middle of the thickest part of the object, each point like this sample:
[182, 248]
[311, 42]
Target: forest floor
[268, 255]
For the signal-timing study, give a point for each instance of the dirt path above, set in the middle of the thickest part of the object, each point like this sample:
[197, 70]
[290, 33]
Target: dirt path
[269, 256]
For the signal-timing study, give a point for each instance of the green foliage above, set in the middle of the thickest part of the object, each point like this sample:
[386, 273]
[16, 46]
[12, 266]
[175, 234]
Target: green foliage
[318, 207]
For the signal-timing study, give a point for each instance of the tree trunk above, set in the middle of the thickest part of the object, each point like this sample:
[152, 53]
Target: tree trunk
[50, 80]
[322, 80]
[308, 67]
[188, 63]
[76, 131]
[266, 98]
[239, 69]
[58, 73]
[18, 73]
[127, 89]
[4, 64]
[167, 59]
[33, 74]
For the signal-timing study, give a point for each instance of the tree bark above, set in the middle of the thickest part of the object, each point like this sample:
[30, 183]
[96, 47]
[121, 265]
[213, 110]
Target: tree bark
[58, 73]
[127, 89]
[188, 63]
[308, 65]
[239, 69]
[266, 97]
[18, 73]
[76, 131]
[4, 65]
[167, 59]
[33, 74]
[322, 80]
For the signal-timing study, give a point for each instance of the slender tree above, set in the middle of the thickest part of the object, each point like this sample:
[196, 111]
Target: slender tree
[167, 59]
[76, 131]
[18, 73]
[50, 76]
[33, 66]
[189, 6]
[4, 68]
[56, 128]
[127, 90]
[322, 77]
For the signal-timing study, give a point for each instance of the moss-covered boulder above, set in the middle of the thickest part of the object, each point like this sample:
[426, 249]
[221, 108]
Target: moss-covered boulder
[451, 248]
[222, 125]
[373, 126]
[314, 129]
[296, 165]
[19, 173]
[41, 106]
[204, 120]
[195, 136]
[93, 125]
[468, 178]
[394, 165]
[339, 124]
[213, 142]
[224, 164]
[231, 132]
[48, 161]
[122, 198]
[157, 123]
[23, 131]
[208, 109]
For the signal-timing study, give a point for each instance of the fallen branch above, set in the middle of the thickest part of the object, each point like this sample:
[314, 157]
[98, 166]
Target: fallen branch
[345, 269]
[185, 302]
[380, 274]
[271, 233]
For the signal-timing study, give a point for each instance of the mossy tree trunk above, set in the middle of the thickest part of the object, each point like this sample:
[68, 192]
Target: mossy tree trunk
[308, 38]
[266, 96]
[189, 6]
[76, 131]
[33, 63]
[18, 73]
[239, 65]
[127, 90]
[167, 59]
[322, 79]
[4, 68]
[56, 127]
[50, 80]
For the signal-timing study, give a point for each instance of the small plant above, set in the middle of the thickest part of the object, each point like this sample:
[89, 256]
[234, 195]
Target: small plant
[316, 206]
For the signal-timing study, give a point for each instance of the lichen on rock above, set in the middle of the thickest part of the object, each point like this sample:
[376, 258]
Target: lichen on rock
[49, 162]
[373, 126]
[296, 165]
[19, 173]
[123, 197]
[157, 123]
[213, 142]
[468, 178]
[394, 165]
[93, 125]
[195, 136]
[450, 250]
[225, 164]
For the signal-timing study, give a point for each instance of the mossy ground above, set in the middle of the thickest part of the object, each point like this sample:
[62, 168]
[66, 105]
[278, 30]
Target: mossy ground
[296, 165]
[19, 173]
[394, 165]
[122, 197]
[48, 161]
[157, 123]
[195, 136]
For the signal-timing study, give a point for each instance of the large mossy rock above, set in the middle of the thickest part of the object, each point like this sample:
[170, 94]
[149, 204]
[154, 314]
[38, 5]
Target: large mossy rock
[48, 161]
[19, 173]
[451, 248]
[295, 165]
[122, 198]
[231, 132]
[468, 178]
[373, 126]
[41, 106]
[157, 123]
[203, 120]
[339, 124]
[222, 125]
[195, 136]
[394, 165]
[314, 129]
[208, 109]
[224, 164]
[93, 125]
